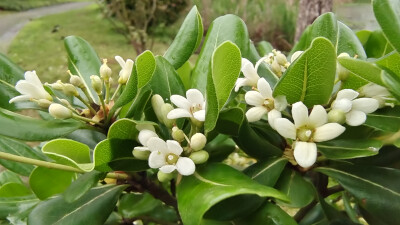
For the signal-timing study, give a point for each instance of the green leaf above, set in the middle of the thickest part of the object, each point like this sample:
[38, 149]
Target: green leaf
[224, 28]
[390, 62]
[299, 191]
[87, 137]
[137, 107]
[30, 129]
[92, 208]
[264, 47]
[349, 43]
[225, 69]
[10, 73]
[387, 119]
[219, 148]
[270, 214]
[392, 82]
[14, 190]
[7, 176]
[15, 205]
[375, 43]
[83, 61]
[324, 26]
[130, 164]
[15, 147]
[266, 172]
[185, 72]
[82, 185]
[47, 182]
[229, 121]
[214, 183]
[187, 40]
[166, 81]
[310, 78]
[362, 69]
[348, 149]
[371, 186]
[387, 13]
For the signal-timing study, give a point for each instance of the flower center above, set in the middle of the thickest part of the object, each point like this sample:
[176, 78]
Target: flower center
[171, 158]
[304, 134]
[269, 104]
[195, 108]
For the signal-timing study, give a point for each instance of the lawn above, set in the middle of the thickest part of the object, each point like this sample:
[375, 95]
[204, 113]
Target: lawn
[18, 5]
[37, 47]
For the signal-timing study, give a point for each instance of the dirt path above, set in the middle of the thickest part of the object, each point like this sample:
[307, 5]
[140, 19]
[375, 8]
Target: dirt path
[11, 24]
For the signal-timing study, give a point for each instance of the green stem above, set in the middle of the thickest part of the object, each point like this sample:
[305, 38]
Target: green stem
[86, 119]
[118, 176]
[87, 104]
[116, 92]
[104, 107]
[107, 84]
[85, 91]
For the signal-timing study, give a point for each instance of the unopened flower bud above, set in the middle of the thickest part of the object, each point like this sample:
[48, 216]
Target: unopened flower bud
[342, 72]
[142, 155]
[165, 109]
[157, 102]
[198, 141]
[44, 103]
[344, 55]
[76, 81]
[276, 68]
[164, 177]
[336, 116]
[125, 73]
[59, 111]
[178, 134]
[199, 157]
[65, 102]
[281, 59]
[105, 71]
[57, 85]
[70, 90]
[295, 56]
[96, 84]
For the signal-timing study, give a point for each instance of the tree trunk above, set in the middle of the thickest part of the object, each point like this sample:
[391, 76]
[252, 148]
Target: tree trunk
[309, 10]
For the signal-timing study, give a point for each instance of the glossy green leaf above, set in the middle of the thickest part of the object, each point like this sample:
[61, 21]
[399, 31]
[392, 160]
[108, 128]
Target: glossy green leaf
[7, 176]
[350, 148]
[266, 172]
[15, 205]
[225, 69]
[82, 185]
[310, 78]
[10, 73]
[130, 164]
[87, 137]
[371, 186]
[224, 28]
[270, 214]
[187, 40]
[229, 121]
[123, 129]
[387, 13]
[83, 61]
[387, 119]
[166, 81]
[324, 26]
[185, 73]
[30, 129]
[214, 183]
[47, 182]
[137, 107]
[15, 147]
[264, 47]
[362, 69]
[70, 153]
[219, 148]
[392, 82]
[14, 190]
[92, 208]
[349, 43]
[299, 191]
[375, 43]
[390, 62]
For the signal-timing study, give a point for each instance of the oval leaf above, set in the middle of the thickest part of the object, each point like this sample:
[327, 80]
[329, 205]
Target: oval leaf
[10, 73]
[387, 119]
[348, 149]
[82, 185]
[387, 13]
[266, 172]
[362, 69]
[270, 214]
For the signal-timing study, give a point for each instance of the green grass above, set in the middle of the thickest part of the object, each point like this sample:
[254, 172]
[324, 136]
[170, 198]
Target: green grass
[19, 5]
[36, 47]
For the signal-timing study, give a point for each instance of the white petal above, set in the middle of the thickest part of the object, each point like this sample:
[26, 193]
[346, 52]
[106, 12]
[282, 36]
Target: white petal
[254, 98]
[181, 102]
[295, 56]
[272, 116]
[194, 96]
[32, 78]
[327, 132]
[255, 113]
[157, 144]
[347, 94]
[20, 98]
[372, 90]
[318, 116]
[156, 159]
[355, 118]
[200, 115]
[178, 113]
[305, 153]
[280, 102]
[141, 148]
[367, 105]
[342, 104]
[174, 147]
[120, 60]
[264, 88]
[145, 135]
[300, 114]
[185, 166]
[167, 168]
[285, 128]
[240, 82]
[26, 88]
[258, 63]
[250, 72]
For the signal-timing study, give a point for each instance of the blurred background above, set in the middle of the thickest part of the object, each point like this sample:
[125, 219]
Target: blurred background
[32, 31]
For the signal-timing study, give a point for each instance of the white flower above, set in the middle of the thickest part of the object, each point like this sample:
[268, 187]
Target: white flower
[377, 92]
[30, 88]
[166, 156]
[306, 130]
[193, 106]
[143, 137]
[355, 109]
[126, 70]
[264, 103]
[250, 75]
[295, 55]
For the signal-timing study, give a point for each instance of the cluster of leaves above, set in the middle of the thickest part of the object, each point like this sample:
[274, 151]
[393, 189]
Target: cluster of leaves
[351, 182]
